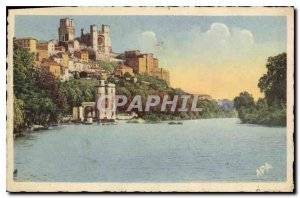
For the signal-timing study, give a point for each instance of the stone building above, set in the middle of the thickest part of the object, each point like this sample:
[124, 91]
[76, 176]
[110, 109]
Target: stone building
[66, 35]
[45, 50]
[65, 76]
[162, 74]
[108, 111]
[72, 46]
[99, 41]
[41, 51]
[51, 47]
[52, 66]
[63, 60]
[66, 30]
[71, 65]
[27, 43]
[145, 64]
[60, 48]
[84, 111]
[83, 55]
[122, 69]
[91, 109]
[78, 66]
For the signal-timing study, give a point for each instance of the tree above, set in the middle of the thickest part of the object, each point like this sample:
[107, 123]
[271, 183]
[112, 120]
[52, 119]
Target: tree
[244, 100]
[120, 56]
[38, 94]
[52, 86]
[274, 83]
[270, 110]
[108, 67]
[127, 75]
[19, 120]
[261, 103]
[22, 69]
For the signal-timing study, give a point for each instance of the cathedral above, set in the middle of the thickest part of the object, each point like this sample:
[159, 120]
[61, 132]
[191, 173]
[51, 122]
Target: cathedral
[97, 42]
[96, 45]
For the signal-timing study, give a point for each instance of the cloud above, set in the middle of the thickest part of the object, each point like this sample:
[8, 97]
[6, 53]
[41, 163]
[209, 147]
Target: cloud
[218, 30]
[222, 33]
[220, 60]
[147, 41]
[218, 44]
[149, 34]
[246, 36]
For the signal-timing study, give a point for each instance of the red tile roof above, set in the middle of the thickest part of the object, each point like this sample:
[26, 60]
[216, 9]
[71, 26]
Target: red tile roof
[31, 38]
[42, 46]
[49, 62]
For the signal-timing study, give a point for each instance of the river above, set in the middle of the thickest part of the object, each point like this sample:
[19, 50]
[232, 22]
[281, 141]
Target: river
[208, 150]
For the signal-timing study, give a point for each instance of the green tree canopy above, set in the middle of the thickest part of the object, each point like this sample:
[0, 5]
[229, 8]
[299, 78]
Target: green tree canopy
[270, 110]
[38, 95]
[244, 100]
[23, 71]
[127, 75]
[274, 83]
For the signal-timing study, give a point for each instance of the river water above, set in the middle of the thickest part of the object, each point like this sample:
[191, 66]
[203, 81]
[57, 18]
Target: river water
[208, 150]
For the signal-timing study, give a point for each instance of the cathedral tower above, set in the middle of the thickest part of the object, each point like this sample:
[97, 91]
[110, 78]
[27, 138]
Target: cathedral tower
[94, 37]
[66, 30]
[106, 35]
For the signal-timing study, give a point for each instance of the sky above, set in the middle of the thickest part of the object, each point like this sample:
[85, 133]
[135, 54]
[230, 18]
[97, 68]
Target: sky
[216, 55]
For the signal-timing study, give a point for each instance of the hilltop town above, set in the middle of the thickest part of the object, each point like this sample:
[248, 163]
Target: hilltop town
[90, 57]
[64, 79]
[87, 55]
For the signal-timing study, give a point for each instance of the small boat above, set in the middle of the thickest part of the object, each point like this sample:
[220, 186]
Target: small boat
[109, 123]
[175, 123]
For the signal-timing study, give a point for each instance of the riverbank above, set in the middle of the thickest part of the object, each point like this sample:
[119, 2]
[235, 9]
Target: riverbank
[34, 128]
[136, 120]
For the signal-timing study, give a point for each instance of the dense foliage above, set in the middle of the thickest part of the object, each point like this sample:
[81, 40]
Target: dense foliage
[270, 110]
[78, 91]
[38, 95]
[108, 67]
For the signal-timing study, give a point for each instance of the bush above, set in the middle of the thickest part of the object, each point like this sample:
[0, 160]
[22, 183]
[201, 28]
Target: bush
[274, 116]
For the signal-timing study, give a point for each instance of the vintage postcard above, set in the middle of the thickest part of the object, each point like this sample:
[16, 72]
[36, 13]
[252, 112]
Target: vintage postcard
[150, 99]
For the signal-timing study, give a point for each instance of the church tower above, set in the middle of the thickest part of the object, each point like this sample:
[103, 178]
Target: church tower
[66, 30]
[107, 42]
[94, 37]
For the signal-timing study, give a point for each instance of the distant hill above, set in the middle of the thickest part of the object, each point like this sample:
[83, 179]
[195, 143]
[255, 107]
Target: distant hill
[226, 104]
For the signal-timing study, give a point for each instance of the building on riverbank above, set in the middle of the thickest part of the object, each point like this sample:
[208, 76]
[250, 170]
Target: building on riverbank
[104, 96]
[102, 109]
